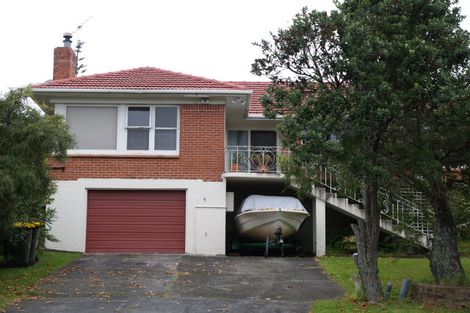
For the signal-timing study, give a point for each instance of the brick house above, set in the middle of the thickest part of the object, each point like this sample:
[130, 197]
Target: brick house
[163, 159]
[150, 167]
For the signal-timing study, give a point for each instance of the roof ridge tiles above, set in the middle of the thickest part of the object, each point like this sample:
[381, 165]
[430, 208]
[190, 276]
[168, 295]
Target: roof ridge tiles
[195, 76]
[150, 77]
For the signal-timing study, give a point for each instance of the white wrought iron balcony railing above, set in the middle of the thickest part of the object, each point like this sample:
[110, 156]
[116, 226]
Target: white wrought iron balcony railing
[254, 159]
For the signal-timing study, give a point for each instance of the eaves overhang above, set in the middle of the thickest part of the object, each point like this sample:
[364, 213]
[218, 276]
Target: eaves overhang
[262, 117]
[145, 91]
[46, 93]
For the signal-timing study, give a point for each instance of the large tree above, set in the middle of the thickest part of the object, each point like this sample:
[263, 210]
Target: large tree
[434, 157]
[355, 76]
[427, 66]
[27, 139]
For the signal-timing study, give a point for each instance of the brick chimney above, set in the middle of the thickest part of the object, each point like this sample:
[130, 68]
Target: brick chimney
[65, 60]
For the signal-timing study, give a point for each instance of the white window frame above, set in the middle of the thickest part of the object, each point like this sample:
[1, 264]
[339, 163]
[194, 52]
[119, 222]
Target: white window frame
[62, 110]
[177, 128]
[152, 127]
[148, 127]
[121, 138]
[249, 130]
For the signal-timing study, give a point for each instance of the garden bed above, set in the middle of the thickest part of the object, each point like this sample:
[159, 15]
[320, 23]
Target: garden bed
[342, 269]
[454, 296]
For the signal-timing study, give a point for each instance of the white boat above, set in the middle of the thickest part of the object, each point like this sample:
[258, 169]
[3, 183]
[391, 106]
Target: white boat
[261, 216]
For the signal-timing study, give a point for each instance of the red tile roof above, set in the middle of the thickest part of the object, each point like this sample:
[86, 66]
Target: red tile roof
[259, 90]
[151, 78]
[142, 78]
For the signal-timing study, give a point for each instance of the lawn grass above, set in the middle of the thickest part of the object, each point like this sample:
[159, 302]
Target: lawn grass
[342, 270]
[15, 283]
[464, 247]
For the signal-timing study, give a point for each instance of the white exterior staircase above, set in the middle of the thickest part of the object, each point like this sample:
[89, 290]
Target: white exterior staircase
[400, 216]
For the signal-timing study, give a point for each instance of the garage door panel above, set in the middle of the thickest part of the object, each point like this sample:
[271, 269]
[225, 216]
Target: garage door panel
[137, 195]
[136, 221]
[138, 244]
[110, 236]
[136, 204]
[129, 212]
[173, 228]
[169, 250]
[167, 247]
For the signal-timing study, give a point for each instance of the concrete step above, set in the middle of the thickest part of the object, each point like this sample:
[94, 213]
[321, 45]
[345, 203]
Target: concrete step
[355, 211]
[355, 206]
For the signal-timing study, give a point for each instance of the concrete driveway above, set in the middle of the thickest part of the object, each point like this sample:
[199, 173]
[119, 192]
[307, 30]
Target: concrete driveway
[162, 283]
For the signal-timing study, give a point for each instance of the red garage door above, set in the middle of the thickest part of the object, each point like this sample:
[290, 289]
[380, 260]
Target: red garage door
[136, 221]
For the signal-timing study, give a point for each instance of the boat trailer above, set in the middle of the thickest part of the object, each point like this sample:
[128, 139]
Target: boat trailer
[277, 242]
[273, 242]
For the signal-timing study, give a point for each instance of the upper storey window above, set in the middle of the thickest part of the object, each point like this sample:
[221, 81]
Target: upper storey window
[166, 128]
[124, 129]
[153, 128]
[138, 126]
[94, 127]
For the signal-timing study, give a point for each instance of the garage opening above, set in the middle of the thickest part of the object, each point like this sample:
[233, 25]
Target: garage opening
[149, 221]
[301, 243]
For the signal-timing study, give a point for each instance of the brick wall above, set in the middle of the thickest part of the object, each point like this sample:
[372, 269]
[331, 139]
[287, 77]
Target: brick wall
[65, 62]
[442, 295]
[201, 156]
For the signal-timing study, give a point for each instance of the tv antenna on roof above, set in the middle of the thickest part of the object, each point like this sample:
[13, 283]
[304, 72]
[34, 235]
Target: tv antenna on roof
[80, 67]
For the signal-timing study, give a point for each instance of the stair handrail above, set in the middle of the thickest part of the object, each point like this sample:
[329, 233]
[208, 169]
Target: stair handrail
[330, 178]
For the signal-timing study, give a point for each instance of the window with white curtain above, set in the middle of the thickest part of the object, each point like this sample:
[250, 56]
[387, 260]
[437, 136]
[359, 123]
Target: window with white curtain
[124, 129]
[94, 127]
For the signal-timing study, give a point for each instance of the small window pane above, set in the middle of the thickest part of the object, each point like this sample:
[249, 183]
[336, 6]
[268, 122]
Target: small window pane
[263, 138]
[165, 139]
[166, 117]
[137, 139]
[138, 116]
[238, 138]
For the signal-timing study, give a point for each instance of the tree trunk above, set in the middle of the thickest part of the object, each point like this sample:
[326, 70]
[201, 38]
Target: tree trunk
[444, 253]
[367, 233]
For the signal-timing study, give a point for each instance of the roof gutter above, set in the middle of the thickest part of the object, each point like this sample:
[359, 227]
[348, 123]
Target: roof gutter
[147, 91]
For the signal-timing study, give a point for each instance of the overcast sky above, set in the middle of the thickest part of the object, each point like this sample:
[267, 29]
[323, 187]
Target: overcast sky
[210, 38]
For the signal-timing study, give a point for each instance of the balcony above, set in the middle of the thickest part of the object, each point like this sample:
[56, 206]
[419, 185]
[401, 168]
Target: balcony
[254, 159]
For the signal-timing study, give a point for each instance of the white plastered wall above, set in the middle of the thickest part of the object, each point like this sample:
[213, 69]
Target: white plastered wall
[319, 226]
[205, 211]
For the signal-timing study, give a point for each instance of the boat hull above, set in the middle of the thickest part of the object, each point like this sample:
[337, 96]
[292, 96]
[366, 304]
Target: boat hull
[257, 225]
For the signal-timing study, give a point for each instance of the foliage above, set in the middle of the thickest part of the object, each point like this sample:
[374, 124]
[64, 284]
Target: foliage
[464, 247]
[348, 244]
[389, 245]
[342, 270]
[381, 89]
[17, 235]
[27, 140]
[16, 283]
[459, 198]
[396, 246]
